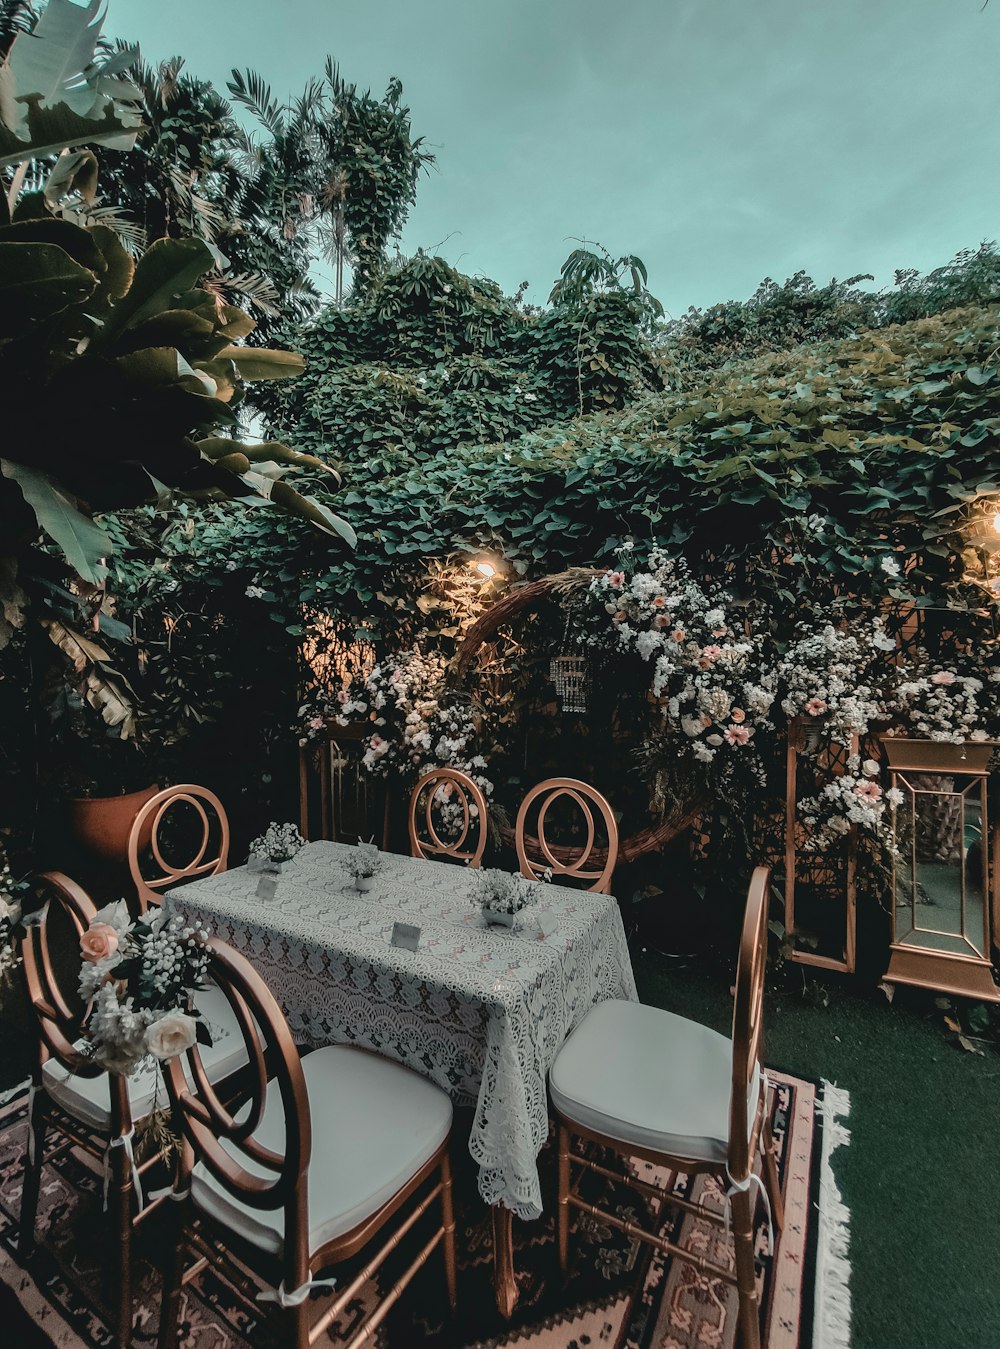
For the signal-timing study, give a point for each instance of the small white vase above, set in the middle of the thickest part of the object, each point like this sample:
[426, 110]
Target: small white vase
[363, 884]
[497, 919]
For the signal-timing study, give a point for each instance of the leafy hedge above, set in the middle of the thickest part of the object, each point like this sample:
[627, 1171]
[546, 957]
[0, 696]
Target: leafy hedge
[816, 470]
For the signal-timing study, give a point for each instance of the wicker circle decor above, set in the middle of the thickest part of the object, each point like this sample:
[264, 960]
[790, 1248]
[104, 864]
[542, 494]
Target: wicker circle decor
[521, 600]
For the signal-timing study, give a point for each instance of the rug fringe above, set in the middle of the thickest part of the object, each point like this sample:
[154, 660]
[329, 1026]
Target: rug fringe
[833, 1265]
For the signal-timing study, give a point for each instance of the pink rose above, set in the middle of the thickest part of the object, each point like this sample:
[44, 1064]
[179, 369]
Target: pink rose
[943, 677]
[868, 791]
[662, 621]
[316, 723]
[736, 735]
[620, 616]
[815, 707]
[658, 601]
[98, 942]
[616, 579]
[737, 714]
[678, 634]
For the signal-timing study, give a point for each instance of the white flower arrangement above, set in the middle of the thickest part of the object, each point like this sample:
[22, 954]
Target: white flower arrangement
[839, 676]
[715, 687]
[278, 843]
[501, 892]
[417, 722]
[10, 918]
[138, 979]
[852, 798]
[937, 702]
[363, 862]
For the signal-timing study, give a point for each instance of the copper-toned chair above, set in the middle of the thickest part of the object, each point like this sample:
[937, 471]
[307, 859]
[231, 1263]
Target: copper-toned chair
[646, 1083]
[213, 851]
[586, 862]
[88, 1106]
[252, 1187]
[443, 787]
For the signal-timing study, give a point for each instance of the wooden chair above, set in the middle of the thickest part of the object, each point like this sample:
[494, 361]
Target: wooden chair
[252, 1188]
[536, 855]
[646, 1083]
[213, 852]
[447, 786]
[89, 1107]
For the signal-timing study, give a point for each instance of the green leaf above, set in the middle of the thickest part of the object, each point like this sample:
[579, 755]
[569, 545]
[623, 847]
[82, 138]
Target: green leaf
[84, 544]
[259, 363]
[168, 268]
[38, 281]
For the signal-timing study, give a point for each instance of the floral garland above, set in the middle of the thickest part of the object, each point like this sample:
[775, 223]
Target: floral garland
[10, 918]
[839, 676]
[138, 979]
[852, 798]
[941, 704]
[716, 688]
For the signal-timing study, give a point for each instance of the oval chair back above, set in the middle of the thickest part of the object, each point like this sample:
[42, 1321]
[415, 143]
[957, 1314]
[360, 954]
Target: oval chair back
[58, 1017]
[254, 1174]
[212, 853]
[448, 789]
[587, 862]
[748, 1018]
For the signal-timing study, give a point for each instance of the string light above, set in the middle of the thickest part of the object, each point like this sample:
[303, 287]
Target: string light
[488, 570]
[996, 522]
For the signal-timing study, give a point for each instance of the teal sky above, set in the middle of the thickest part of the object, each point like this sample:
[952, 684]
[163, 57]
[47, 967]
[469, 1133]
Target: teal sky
[720, 140]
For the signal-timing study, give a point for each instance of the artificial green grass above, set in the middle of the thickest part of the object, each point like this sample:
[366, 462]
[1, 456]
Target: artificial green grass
[921, 1174]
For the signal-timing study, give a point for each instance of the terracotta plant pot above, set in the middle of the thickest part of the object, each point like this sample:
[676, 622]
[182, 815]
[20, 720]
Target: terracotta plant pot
[101, 824]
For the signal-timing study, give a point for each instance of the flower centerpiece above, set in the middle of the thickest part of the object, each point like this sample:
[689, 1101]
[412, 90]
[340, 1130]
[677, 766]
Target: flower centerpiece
[502, 896]
[277, 846]
[363, 863]
[840, 678]
[138, 980]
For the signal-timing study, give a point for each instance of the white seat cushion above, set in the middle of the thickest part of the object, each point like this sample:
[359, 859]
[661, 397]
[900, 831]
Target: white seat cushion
[374, 1125]
[649, 1078]
[87, 1099]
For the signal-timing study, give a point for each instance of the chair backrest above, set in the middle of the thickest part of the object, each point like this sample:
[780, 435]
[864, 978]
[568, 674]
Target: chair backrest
[59, 1016]
[748, 1015]
[211, 855]
[584, 862]
[251, 1171]
[448, 817]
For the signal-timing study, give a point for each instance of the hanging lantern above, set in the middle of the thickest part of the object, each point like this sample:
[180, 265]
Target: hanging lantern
[570, 675]
[944, 890]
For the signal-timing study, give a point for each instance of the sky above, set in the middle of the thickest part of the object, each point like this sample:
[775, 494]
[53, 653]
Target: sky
[720, 140]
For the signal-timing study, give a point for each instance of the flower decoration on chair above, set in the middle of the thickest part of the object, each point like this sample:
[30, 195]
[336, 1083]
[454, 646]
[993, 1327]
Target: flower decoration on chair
[840, 677]
[10, 918]
[939, 703]
[278, 843]
[138, 979]
[852, 798]
[711, 679]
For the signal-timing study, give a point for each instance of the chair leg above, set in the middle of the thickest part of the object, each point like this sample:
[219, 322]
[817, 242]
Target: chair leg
[298, 1320]
[562, 1207]
[37, 1123]
[448, 1222]
[771, 1176]
[121, 1184]
[173, 1280]
[746, 1274]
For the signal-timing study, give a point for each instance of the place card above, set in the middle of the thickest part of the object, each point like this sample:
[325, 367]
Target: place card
[546, 921]
[266, 887]
[406, 936]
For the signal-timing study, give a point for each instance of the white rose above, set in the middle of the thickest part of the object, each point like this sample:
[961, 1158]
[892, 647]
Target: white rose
[173, 1034]
[870, 768]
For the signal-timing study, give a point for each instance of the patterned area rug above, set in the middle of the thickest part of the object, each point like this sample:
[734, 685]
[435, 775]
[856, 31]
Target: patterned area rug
[619, 1295]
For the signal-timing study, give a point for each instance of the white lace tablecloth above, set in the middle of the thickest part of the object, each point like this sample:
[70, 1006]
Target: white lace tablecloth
[481, 1011]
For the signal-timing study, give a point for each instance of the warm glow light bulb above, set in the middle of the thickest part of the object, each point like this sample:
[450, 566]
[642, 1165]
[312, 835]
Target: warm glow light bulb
[488, 570]
[996, 522]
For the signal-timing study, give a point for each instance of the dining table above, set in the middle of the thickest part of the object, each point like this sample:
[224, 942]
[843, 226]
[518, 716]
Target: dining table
[413, 970]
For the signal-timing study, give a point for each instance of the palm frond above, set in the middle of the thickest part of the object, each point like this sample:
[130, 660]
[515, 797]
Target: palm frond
[250, 89]
[257, 289]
